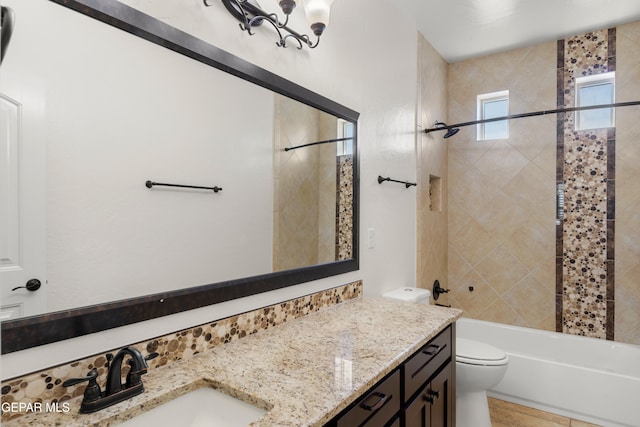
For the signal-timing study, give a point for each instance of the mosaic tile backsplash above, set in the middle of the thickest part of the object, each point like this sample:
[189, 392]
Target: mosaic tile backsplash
[46, 385]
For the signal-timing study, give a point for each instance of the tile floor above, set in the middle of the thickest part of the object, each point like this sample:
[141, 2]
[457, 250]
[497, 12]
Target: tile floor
[506, 414]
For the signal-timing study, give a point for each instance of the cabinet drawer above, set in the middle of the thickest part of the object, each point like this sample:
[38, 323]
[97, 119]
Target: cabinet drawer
[377, 407]
[422, 365]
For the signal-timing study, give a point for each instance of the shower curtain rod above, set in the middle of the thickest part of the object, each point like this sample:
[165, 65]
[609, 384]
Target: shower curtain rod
[535, 113]
[317, 143]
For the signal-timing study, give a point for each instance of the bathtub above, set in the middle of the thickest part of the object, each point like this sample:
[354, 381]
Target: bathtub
[583, 378]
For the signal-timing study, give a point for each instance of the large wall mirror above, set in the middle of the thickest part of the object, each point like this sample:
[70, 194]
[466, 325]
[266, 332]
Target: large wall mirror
[173, 109]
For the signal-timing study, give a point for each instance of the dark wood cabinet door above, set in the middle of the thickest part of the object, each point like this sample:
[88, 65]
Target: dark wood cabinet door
[432, 407]
[441, 392]
[418, 413]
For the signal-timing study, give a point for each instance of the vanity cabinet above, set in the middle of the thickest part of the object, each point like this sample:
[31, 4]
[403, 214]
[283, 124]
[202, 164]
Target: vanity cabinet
[432, 406]
[419, 393]
[429, 384]
[378, 407]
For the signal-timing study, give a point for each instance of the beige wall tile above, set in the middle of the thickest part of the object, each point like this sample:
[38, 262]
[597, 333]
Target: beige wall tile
[432, 152]
[502, 192]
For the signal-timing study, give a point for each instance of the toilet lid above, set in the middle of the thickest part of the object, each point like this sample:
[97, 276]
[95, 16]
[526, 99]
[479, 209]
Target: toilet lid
[479, 353]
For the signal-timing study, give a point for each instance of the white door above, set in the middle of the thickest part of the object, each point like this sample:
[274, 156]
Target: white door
[22, 175]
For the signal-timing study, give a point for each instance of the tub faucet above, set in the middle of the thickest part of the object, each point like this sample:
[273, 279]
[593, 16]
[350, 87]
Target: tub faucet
[437, 290]
[95, 399]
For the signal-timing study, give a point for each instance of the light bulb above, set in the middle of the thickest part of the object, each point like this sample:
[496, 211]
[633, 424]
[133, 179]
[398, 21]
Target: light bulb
[317, 12]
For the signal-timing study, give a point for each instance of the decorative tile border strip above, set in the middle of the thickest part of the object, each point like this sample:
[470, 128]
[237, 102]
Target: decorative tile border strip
[344, 214]
[45, 386]
[585, 165]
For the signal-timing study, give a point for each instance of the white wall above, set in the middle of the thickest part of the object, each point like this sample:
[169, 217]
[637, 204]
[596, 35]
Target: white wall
[366, 61]
[108, 236]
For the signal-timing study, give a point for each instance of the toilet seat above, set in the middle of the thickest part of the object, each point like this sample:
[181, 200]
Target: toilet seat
[478, 353]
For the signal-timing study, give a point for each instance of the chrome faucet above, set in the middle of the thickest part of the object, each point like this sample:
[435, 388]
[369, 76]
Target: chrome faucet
[95, 399]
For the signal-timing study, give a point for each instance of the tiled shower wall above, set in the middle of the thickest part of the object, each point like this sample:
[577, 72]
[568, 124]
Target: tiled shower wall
[304, 186]
[431, 174]
[501, 192]
[627, 189]
[503, 240]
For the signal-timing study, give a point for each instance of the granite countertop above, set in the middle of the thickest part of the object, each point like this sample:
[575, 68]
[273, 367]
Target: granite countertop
[291, 370]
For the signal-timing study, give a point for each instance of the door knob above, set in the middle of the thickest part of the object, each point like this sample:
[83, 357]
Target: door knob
[31, 285]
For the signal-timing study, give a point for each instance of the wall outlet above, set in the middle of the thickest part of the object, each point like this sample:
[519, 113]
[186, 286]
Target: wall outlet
[371, 238]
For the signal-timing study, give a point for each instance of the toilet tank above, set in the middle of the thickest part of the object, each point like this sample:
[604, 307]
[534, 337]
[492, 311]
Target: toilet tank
[409, 294]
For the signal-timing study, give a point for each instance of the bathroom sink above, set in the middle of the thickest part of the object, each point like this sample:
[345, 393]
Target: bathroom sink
[201, 407]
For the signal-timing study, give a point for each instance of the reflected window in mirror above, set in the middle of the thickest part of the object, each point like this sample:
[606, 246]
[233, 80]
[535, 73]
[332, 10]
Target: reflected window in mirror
[346, 132]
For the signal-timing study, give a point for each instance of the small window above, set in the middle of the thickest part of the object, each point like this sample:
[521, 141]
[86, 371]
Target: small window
[345, 130]
[492, 105]
[598, 89]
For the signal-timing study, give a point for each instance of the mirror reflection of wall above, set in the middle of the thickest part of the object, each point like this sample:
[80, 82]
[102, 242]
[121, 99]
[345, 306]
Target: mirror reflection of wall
[113, 121]
[108, 236]
[313, 187]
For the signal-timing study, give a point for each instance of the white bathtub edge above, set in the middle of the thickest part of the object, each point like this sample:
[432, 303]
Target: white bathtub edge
[582, 393]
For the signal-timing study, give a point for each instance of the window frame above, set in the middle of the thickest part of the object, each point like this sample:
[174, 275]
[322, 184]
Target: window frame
[590, 81]
[482, 100]
[345, 129]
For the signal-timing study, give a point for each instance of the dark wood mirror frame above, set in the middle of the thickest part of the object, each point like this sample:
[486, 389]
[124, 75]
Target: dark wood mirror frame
[43, 329]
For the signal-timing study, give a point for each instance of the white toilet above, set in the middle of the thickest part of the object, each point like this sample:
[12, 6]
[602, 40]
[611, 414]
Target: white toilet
[479, 367]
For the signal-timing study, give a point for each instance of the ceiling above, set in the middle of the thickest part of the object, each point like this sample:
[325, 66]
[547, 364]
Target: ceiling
[463, 29]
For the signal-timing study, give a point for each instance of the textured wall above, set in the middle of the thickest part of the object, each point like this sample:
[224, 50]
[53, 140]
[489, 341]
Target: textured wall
[431, 169]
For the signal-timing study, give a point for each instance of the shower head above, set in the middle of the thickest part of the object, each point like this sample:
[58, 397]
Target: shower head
[443, 126]
[450, 131]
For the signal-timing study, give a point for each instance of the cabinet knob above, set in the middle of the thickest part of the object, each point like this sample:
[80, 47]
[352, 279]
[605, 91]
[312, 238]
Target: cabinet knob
[431, 396]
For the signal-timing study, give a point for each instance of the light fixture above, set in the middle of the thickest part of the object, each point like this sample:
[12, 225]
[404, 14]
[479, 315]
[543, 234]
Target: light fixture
[7, 18]
[250, 15]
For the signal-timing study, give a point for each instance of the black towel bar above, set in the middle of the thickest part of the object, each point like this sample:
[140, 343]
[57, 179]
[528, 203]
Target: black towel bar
[406, 184]
[150, 184]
